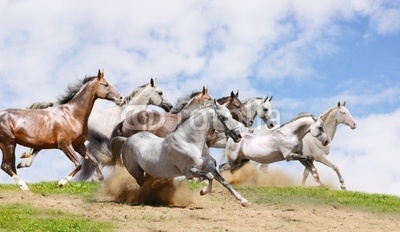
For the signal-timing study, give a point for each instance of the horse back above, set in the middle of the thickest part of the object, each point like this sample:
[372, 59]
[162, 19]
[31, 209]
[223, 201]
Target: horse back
[38, 128]
[155, 122]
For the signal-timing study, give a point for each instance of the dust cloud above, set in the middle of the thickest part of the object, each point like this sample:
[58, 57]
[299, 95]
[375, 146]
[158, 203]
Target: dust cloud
[122, 187]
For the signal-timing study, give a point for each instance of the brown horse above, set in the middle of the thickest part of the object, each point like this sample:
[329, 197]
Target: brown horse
[159, 123]
[63, 126]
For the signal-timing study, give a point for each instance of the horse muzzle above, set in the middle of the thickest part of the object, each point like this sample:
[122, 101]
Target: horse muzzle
[235, 135]
[118, 101]
[166, 106]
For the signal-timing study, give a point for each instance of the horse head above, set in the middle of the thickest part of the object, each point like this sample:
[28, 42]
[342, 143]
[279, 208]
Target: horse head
[343, 116]
[105, 90]
[225, 122]
[237, 109]
[156, 96]
[317, 130]
[264, 111]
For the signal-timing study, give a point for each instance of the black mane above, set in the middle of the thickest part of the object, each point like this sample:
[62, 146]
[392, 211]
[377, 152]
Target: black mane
[73, 89]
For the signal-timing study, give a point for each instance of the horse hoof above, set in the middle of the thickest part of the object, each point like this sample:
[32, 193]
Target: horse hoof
[245, 203]
[343, 188]
[19, 165]
[202, 193]
[25, 155]
[62, 182]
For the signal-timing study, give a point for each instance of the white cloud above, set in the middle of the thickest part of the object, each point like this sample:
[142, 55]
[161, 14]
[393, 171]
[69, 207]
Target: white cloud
[368, 156]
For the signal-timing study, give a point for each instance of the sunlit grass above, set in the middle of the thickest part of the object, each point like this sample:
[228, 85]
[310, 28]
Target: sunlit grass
[21, 217]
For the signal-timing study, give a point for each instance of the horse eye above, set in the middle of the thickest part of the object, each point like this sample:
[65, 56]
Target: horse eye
[265, 109]
[160, 93]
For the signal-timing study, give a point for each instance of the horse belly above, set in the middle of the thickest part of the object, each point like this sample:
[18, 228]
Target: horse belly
[148, 153]
[262, 152]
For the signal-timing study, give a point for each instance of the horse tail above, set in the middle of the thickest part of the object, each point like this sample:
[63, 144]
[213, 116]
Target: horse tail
[41, 105]
[98, 146]
[117, 131]
[116, 148]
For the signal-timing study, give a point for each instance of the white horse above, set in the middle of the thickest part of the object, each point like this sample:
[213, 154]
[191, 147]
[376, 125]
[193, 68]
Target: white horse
[331, 118]
[284, 143]
[255, 107]
[260, 107]
[105, 120]
[334, 116]
[182, 151]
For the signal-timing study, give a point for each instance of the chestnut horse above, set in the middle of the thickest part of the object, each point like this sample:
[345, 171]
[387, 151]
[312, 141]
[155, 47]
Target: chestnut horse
[63, 126]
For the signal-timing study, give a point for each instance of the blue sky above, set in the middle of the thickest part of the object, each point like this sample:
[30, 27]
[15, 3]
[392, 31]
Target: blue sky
[307, 54]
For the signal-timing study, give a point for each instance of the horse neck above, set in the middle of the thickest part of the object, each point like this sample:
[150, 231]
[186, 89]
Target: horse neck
[83, 102]
[185, 132]
[251, 107]
[141, 100]
[330, 122]
[301, 126]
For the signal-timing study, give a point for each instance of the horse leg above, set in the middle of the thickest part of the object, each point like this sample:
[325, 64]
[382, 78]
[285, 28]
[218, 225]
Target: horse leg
[84, 152]
[70, 153]
[203, 174]
[328, 163]
[264, 167]
[95, 176]
[27, 154]
[222, 181]
[8, 165]
[305, 176]
[32, 155]
[311, 168]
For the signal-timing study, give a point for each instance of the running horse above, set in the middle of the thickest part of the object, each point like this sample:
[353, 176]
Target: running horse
[181, 152]
[283, 143]
[63, 126]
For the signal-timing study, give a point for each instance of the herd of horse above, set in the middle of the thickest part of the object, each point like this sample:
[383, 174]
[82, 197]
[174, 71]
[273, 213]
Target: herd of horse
[169, 144]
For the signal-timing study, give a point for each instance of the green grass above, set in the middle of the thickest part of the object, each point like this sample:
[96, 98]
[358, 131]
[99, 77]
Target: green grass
[22, 217]
[377, 203]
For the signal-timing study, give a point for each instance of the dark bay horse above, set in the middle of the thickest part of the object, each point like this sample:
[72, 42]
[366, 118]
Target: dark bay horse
[63, 126]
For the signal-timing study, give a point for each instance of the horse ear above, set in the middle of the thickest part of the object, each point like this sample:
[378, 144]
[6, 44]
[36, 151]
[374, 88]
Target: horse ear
[152, 82]
[100, 74]
[237, 93]
[232, 94]
[344, 103]
[270, 99]
[205, 90]
[266, 99]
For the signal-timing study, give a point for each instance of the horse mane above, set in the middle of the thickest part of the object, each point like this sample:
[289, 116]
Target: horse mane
[325, 115]
[301, 115]
[73, 89]
[183, 101]
[223, 100]
[134, 93]
[40, 105]
[185, 117]
[247, 100]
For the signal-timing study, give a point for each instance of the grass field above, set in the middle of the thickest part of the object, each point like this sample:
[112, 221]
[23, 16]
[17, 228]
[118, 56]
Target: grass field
[11, 215]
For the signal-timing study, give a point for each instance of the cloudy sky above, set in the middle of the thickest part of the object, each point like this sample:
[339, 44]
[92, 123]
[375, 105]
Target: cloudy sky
[307, 54]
